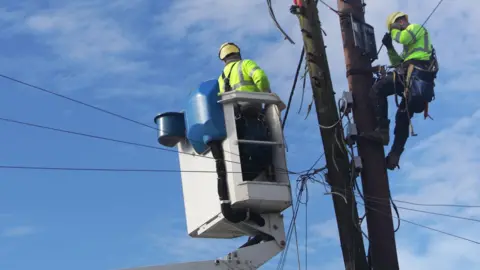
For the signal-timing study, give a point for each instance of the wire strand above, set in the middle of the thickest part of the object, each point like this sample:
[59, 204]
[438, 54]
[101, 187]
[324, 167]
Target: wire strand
[302, 179]
[386, 202]
[416, 203]
[18, 167]
[101, 137]
[272, 15]
[294, 85]
[428, 212]
[422, 226]
[90, 106]
[77, 101]
[291, 228]
[329, 7]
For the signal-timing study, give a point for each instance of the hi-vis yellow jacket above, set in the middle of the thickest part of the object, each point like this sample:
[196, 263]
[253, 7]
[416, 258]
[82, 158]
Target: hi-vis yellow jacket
[416, 44]
[244, 75]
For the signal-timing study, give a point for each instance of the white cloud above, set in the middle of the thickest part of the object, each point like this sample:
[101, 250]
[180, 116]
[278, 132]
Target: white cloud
[83, 32]
[326, 230]
[18, 231]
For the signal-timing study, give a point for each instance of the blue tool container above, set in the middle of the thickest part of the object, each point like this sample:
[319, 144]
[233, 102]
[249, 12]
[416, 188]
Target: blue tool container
[171, 128]
[204, 117]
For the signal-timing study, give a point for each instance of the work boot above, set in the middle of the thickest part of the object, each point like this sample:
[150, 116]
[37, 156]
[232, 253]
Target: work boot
[393, 160]
[381, 134]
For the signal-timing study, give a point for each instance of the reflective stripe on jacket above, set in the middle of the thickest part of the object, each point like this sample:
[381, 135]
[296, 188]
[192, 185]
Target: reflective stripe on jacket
[245, 75]
[416, 44]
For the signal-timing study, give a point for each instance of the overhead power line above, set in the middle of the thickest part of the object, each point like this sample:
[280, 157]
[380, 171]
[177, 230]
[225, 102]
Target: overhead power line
[384, 201]
[439, 205]
[302, 186]
[424, 211]
[423, 204]
[423, 226]
[411, 202]
[44, 168]
[329, 7]
[108, 139]
[90, 135]
[76, 101]
[87, 105]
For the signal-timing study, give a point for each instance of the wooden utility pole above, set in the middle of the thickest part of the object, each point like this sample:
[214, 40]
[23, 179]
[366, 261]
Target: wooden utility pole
[359, 50]
[336, 154]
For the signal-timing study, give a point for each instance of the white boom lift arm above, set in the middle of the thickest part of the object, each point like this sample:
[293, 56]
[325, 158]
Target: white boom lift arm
[247, 257]
[264, 197]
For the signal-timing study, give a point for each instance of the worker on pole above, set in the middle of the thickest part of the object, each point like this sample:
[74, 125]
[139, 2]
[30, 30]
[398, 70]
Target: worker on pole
[413, 80]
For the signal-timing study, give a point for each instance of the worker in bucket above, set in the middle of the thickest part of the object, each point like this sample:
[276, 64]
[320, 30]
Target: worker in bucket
[413, 80]
[245, 75]
[240, 74]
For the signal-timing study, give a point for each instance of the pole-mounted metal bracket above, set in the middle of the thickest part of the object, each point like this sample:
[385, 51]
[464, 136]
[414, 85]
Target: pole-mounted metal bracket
[352, 134]
[357, 164]
[364, 38]
[347, 106]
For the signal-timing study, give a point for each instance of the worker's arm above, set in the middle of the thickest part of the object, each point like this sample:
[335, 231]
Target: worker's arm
[395, 59]
[257, 74]
[407, 36]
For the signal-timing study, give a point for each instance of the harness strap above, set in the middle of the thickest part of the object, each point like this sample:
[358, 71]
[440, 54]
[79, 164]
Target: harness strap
[395, 88]
[226, 79]
[405, 94]
[228, 88]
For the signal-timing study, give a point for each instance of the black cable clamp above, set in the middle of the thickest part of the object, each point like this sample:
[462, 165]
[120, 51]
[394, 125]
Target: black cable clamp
[297, 10]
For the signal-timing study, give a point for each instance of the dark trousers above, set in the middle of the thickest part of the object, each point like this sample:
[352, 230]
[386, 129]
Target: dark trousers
[255, 158]
[380, 91]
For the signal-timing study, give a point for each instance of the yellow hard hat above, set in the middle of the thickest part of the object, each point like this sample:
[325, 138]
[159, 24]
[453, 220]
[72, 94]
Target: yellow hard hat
[392, 17]
[226, 49]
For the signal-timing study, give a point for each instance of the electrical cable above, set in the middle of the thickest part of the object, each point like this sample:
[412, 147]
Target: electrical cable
[384, 202]
[109, 139]
[291, 227]
[430, 212]
[18, 167]
[295, 79]
[304, 83]
[418, 203]
[395, 208]
[88, 105]
[438, 205]
[425, 204]
[302, 180]
[418, 224]
[329, 7]
[423, 226]
[272, 15]
[306, 231]
[77, 101]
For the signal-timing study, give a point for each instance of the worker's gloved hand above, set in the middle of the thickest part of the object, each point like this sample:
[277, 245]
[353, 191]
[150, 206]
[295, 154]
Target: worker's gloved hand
[387, 41]
[396, 26]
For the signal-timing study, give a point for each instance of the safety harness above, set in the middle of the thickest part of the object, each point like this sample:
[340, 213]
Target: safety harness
[226, 79]
[418, 87]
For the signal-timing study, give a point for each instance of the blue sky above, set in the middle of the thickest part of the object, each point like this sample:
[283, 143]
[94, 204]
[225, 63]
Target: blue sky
[139, 58]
